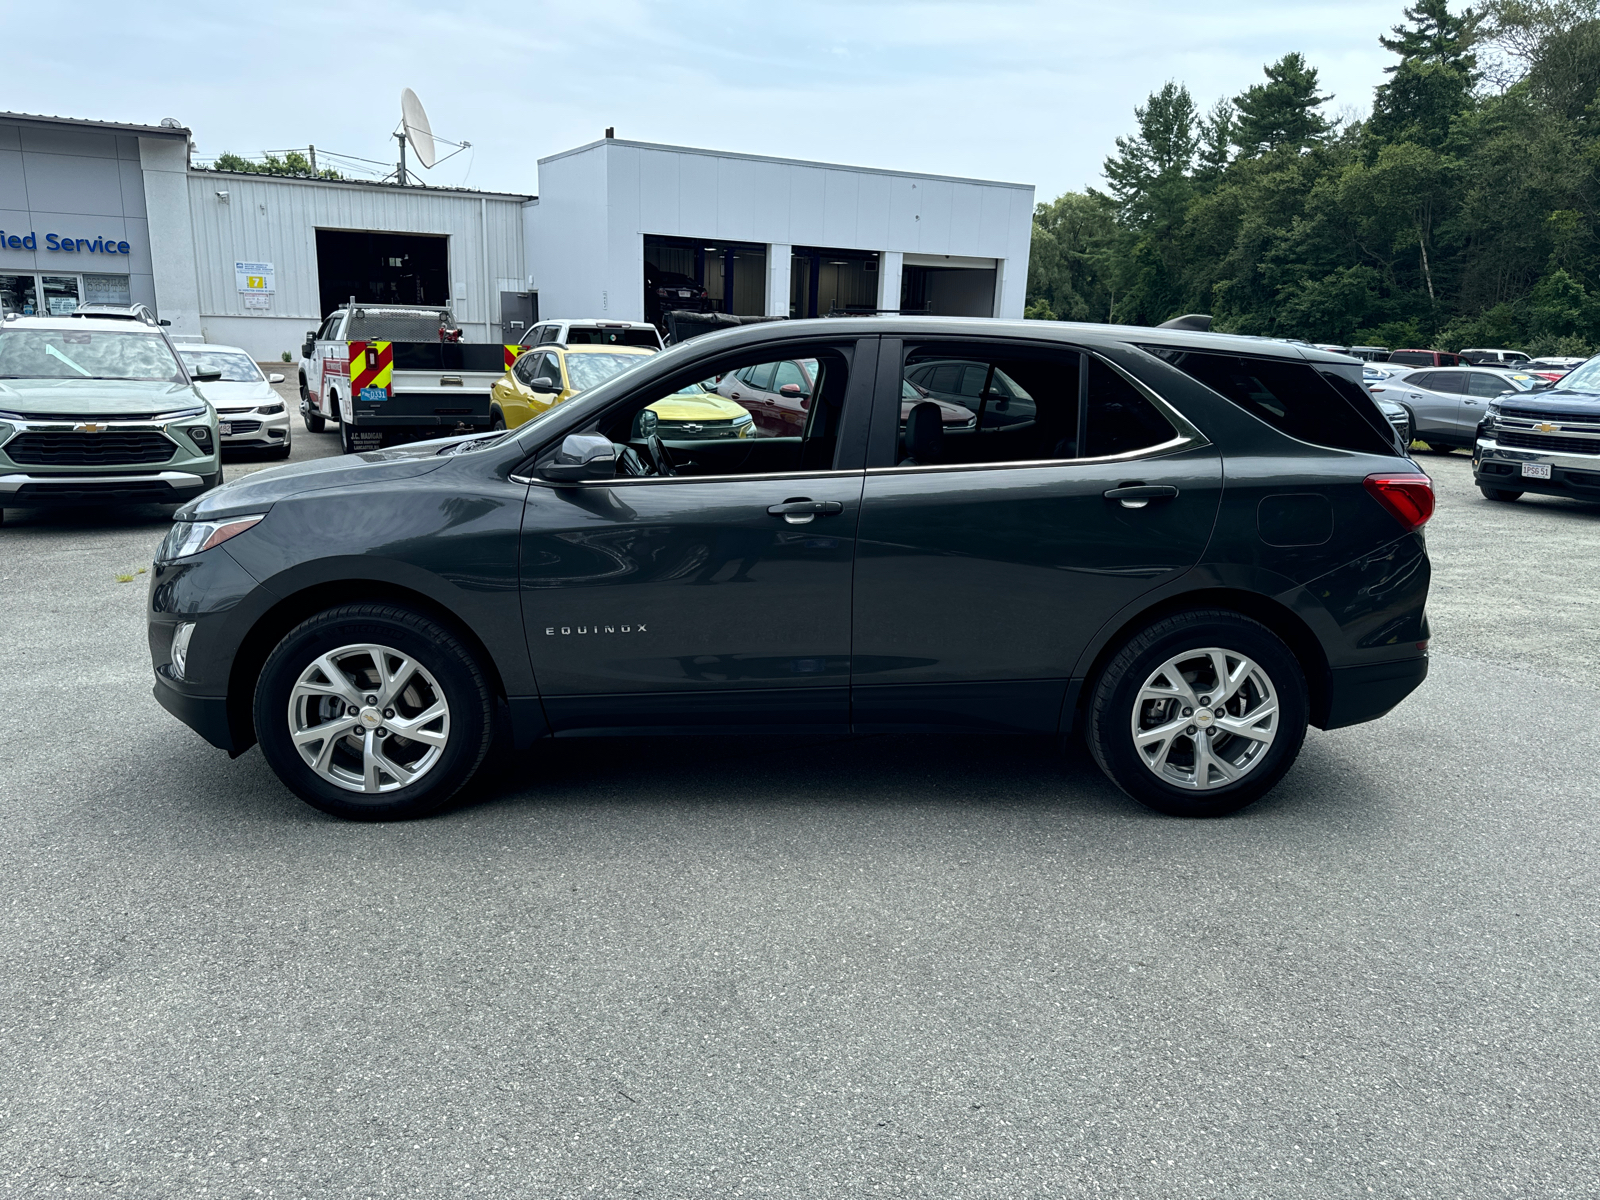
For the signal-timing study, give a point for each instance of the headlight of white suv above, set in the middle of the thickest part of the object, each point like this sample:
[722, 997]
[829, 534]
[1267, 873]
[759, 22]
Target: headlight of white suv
[186, 538]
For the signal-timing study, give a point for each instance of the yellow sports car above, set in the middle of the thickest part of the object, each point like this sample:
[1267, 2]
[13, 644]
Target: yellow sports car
[546, 376]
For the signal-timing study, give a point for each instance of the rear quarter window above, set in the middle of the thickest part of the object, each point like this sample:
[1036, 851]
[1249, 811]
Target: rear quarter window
[1325, 408]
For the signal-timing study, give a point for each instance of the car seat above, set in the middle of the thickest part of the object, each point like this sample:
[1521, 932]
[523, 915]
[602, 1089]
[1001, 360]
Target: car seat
[924, 436]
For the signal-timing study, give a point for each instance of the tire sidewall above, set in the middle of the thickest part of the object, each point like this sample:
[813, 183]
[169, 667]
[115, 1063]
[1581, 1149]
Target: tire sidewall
[1111, 713]
[434, 648]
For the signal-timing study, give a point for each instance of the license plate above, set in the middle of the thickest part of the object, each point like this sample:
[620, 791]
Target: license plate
[224, 427]
[374, 395]
[1536, 470]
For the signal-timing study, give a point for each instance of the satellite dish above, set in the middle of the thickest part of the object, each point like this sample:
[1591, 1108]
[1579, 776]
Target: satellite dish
[417, 130]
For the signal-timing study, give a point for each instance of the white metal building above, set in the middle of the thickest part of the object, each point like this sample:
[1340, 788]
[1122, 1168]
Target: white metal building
[326, 240]
[102, 211]
[784, 237]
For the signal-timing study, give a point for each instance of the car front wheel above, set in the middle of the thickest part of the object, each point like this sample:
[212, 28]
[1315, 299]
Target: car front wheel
[1500, 494]
[373, 712]
[1200, 714]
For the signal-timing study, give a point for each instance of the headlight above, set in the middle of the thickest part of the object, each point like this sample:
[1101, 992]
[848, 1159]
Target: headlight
[11, 416]
[269, 410]
[182, 414]
[746, 419]
[191, 537]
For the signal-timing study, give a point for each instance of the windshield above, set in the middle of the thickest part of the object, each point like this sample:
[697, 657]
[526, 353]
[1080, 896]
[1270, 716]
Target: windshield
[587, 370]
[594, 335]
[1582, 379]
[70, 354]
[235, 368]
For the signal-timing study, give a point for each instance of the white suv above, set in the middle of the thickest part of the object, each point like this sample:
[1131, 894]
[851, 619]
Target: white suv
[592, 331]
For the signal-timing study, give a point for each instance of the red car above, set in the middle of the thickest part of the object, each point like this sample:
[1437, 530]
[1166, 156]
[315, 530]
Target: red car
[1424, 358]
[778, 396]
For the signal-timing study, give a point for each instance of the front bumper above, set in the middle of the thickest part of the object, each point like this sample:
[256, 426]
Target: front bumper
[254, 430]
[24, 490]
[206, 715]
[1497, 466]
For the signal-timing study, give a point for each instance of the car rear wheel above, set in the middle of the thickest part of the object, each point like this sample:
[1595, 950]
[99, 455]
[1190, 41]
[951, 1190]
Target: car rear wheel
[347, 441]
[373, 712]
[1500, 494]
[497, 421]
[1200, 714]
[1441, 448]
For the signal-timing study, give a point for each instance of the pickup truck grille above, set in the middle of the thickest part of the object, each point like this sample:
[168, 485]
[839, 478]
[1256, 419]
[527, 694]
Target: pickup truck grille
[1559, 418]
[113, 448]
[1547, 441]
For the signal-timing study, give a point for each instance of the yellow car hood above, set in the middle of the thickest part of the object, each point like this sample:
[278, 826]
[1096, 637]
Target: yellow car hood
[685, 406]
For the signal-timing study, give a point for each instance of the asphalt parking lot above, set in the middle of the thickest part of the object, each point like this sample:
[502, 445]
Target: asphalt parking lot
[883, 966]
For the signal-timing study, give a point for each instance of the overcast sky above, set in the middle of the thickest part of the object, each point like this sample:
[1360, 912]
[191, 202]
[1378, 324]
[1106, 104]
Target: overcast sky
[1017, 91]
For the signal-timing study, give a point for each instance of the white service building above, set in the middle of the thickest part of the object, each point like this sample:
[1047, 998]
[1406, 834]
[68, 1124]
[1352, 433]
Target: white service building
[110, 212]
[771, 235]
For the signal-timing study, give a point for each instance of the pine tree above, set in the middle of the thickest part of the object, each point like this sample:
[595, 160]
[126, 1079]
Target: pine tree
[1435, 35]
[1149, 173]
[1282, 111]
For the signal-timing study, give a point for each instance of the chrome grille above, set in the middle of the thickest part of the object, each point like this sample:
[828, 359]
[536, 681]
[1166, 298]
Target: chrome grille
[1553, 443]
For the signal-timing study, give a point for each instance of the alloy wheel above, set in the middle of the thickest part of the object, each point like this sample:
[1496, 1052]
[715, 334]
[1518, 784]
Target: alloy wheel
[1205, 718]
[368, 718]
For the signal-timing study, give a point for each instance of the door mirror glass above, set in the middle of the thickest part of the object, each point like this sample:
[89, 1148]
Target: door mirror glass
[582, 456]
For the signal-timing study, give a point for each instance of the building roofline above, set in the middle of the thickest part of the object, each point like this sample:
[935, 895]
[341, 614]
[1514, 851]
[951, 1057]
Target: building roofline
[789, 162]
[418, 189]
[169, 131]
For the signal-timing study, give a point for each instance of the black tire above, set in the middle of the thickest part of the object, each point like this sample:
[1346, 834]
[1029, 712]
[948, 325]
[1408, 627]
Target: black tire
[497, 420]
[313, 421]
[1441, 448]
[346, 439]
[284, 452]
[456, 674]
[1499, 494]
[1114, 702]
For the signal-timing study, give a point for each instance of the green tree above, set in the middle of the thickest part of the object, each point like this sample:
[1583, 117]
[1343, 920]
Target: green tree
[1283, 111]
[292, 163]
[1149, 173]
[1067, 267]
[1435, 35]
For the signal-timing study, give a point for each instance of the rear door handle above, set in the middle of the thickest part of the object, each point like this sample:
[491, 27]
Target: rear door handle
[1137, 495]
[802, 511]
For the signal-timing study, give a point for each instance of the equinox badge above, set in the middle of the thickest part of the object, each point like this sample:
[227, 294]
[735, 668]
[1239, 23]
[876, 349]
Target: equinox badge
[565, 630]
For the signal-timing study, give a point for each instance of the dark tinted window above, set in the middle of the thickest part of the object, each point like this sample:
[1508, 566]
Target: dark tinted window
[1450, 383]
[602, 335]
[1415, 358]
[1481, 383]
[760, 376]
[1120, 420]
[1290, 396]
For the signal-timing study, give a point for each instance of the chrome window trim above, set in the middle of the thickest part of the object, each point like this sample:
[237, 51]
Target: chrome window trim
[1171, 446]
[633, 480]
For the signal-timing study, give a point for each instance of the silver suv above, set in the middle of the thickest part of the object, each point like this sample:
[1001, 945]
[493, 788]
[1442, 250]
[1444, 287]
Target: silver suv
[100, 412]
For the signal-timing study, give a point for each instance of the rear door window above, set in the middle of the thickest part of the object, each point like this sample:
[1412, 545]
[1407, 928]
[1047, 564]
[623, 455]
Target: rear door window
[1449, 383]
[1291, 396]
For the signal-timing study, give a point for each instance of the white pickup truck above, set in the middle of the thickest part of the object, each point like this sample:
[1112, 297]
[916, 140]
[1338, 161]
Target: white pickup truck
[391, 373]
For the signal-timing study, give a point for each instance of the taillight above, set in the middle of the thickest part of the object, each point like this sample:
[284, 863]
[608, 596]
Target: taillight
[1408, 497]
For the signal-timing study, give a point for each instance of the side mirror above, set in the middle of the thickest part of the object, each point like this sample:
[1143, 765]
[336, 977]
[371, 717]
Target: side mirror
[204, 376]
[275, 378]
[544, 384]
[163, 322]
[309, 346]
[792, 390]
[582, 456]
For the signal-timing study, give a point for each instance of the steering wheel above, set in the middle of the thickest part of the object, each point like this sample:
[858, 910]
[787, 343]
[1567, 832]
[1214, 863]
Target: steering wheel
[659, 456]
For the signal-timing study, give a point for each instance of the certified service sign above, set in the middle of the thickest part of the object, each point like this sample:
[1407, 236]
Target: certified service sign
[254, 278]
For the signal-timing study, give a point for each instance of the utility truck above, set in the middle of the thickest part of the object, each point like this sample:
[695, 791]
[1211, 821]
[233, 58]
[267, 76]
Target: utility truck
[393, 373]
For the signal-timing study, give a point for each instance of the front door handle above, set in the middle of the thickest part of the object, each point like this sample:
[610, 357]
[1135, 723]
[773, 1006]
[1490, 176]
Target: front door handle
[1137, 495]
[800, 510]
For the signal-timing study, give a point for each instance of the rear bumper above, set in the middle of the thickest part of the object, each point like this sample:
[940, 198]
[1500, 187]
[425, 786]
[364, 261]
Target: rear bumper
[206, 715]
[1358, 694]
[22, 490]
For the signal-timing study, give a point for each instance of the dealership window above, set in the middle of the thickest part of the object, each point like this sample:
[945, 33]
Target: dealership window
[61, 294]
[19, 294]
[106, 289]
